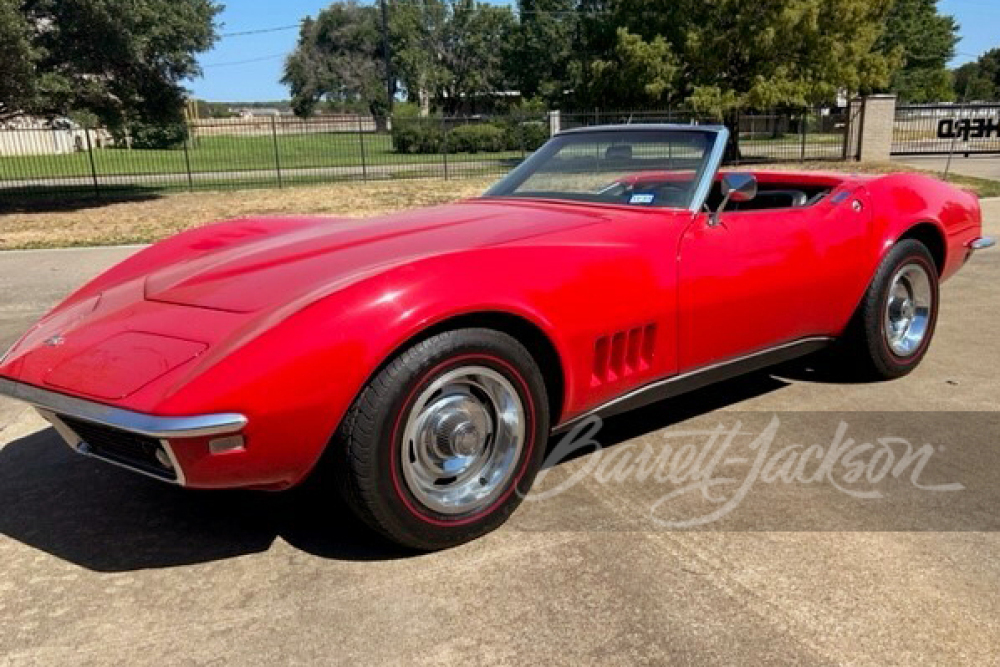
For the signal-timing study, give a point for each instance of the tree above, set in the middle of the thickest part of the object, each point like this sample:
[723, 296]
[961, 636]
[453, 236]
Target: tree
[445, 51]
[339, 57]
[545, 43]
[926, 42]
[635, 74]
[419, 34]
[979, 80]
[122, 60]
[18, 83]
[783, 53]
[474, 55]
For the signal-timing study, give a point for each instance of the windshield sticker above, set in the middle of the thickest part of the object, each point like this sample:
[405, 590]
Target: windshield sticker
[642, 198]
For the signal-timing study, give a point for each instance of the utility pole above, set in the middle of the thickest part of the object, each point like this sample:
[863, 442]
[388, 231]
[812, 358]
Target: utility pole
[388, 56]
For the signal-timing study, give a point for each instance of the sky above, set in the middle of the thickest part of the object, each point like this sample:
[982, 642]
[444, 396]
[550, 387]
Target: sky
[245, 68]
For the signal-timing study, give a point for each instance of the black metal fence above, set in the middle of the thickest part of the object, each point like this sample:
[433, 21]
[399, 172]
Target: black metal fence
[962, 129]
[756, 137]
[278, 151]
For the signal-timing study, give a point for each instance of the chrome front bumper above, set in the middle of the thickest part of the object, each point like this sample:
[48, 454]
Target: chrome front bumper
[58, 408]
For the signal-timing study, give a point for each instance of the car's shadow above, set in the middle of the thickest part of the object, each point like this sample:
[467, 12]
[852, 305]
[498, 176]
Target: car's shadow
[110, 520]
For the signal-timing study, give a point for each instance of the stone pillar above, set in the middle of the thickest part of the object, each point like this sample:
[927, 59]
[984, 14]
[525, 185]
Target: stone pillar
[554, 123]
[875, 132]
[852, 144]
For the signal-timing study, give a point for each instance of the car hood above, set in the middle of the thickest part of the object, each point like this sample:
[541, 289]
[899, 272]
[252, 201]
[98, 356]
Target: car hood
[300, 257]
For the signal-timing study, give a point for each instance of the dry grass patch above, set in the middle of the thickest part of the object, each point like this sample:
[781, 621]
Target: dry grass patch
[147, 221]
[128, 222]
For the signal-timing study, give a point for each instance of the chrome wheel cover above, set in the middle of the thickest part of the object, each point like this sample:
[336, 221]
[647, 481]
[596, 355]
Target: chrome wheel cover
[908, 309]
[462, 440]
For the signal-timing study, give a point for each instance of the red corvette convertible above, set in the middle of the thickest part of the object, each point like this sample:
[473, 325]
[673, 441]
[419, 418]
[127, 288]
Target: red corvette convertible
[429, 354]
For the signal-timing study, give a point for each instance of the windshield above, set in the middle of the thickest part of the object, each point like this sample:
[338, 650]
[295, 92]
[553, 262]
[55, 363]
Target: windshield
[641, 167]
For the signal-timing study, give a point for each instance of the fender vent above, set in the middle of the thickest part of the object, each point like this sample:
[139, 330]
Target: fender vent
[620, 355]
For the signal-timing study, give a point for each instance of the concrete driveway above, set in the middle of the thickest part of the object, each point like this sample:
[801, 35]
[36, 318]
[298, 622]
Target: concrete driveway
[103, 567]
[978, 166]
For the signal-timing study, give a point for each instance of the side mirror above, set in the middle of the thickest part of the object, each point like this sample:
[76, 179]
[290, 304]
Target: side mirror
[737, 187]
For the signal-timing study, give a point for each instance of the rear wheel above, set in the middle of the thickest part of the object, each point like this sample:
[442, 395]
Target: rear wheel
[895, 321]
[442, 443]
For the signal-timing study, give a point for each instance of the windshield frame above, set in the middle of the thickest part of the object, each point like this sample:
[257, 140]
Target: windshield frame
[704, 176]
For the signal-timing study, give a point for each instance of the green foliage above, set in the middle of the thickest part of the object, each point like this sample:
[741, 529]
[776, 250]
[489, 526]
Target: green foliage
[339, 57]
[713, 55]
[925, 40]
[527, 135]
[416, 135]
[979, 80]
[122, 60]
[213, 109]
[448, 52]
[477, 138]
[780, 52]
[444, 53]
[418, 33]
[18, 82]
[712, 102]
[428, 135]
[545, 48]
[636, 73]
[405, 110]
[145, 136]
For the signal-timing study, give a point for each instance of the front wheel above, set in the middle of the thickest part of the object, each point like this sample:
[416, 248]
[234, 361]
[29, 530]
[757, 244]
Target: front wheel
[443, 442]
[895, 321]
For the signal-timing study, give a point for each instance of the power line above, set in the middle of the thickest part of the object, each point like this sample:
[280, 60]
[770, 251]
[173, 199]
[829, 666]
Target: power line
[245, 62]
[260, 31]
[544, 12]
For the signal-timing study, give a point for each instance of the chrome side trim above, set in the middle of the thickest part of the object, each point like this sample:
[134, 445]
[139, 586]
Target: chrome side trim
[711, 169]
[136, 422]
[982, 243]
[700, 377]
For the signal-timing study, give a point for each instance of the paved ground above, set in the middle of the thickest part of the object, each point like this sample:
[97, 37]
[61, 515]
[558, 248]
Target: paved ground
[979, 166]
[102, 567]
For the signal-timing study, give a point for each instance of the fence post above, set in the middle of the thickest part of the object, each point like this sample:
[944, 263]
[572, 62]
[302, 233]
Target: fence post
[444, 145]
[277, 154]
[361, 139]
[802, 131]
[93, 164]
[733, 151]
[187, 163]
[519, 124]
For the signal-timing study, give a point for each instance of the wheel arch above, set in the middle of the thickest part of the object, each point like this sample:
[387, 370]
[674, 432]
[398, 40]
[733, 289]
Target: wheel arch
[929, 234]
[538, 344]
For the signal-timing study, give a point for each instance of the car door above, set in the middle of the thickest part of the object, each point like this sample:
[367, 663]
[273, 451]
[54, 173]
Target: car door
[762, 278]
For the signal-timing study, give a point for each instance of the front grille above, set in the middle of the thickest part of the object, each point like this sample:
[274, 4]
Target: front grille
[128, 449]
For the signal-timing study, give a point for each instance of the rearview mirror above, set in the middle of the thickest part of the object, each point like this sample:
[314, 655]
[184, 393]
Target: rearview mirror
[737, 187]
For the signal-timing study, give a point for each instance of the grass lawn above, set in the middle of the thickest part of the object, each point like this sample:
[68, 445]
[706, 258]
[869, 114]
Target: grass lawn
[229, 153]
[103, 222]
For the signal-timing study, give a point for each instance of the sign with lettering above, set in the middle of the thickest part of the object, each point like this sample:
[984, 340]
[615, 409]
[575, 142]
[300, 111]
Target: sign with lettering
[968, 128]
